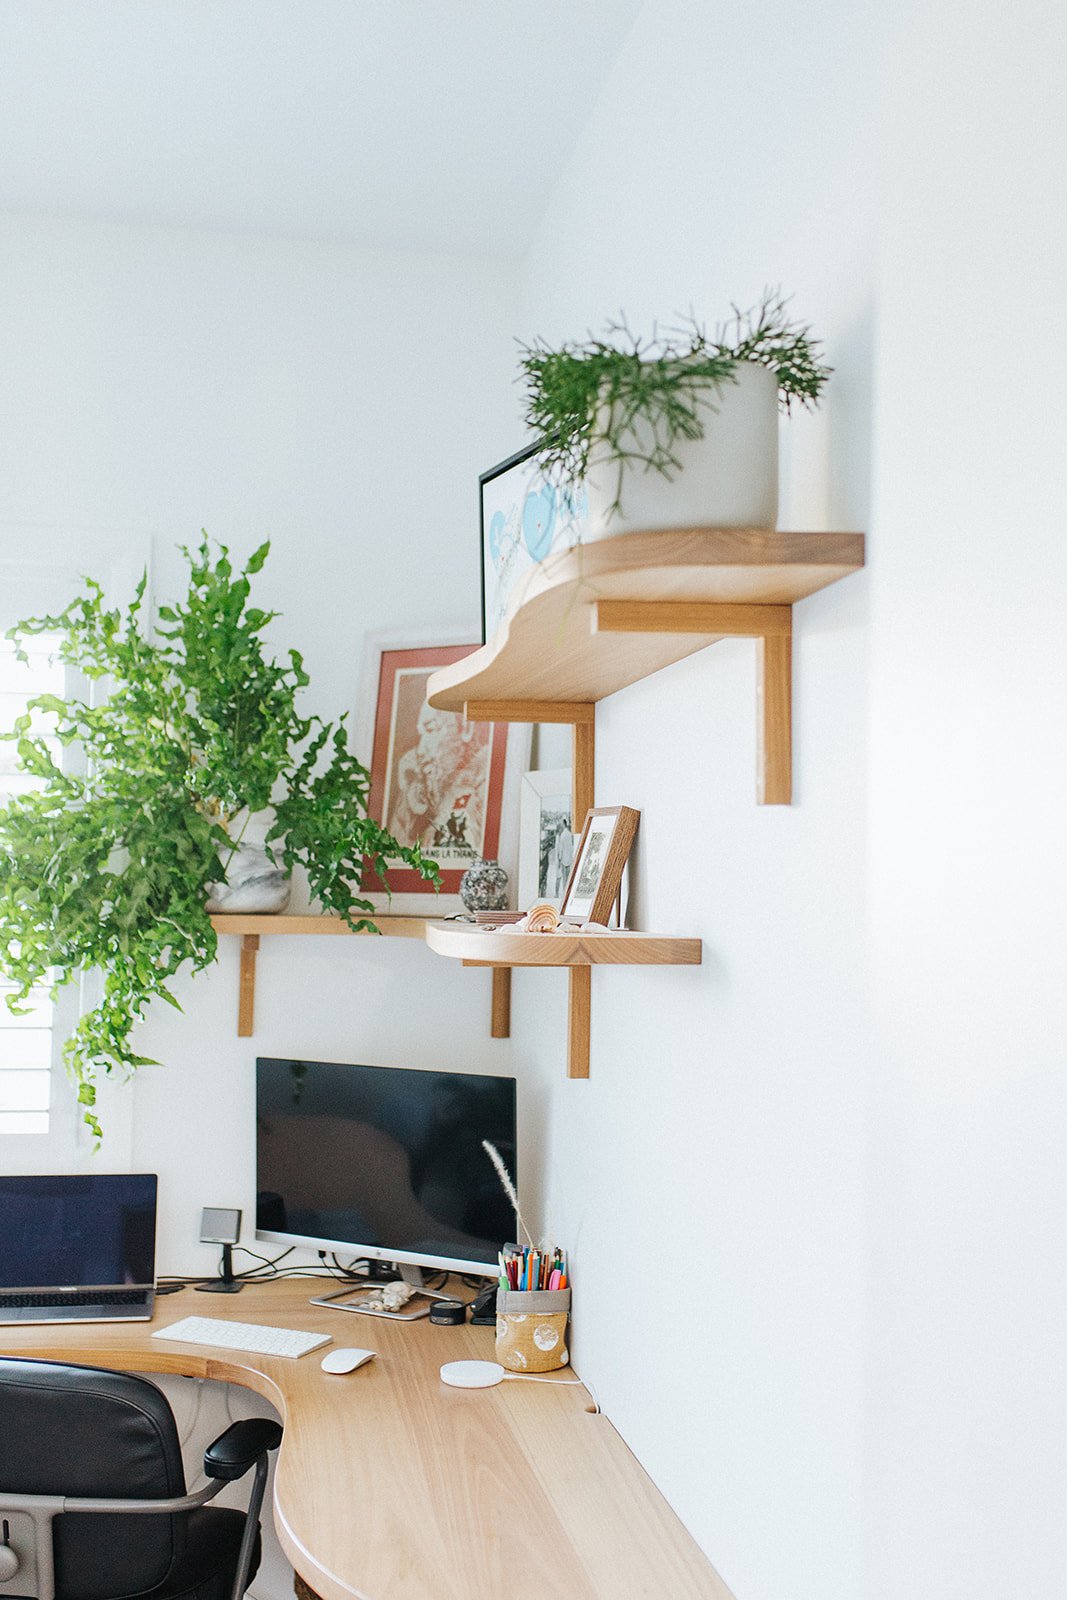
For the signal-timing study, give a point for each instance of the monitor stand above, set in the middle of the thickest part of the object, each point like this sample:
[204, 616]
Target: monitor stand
[418, 1306]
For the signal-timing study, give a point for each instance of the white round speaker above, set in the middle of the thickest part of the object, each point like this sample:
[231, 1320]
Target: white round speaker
[472, 1374]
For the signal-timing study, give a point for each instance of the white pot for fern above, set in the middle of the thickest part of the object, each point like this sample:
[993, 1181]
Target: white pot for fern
[255, 882]
[727, 479]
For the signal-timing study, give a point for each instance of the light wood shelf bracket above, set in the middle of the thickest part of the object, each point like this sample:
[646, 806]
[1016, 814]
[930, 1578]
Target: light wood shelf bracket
[581, 714]
[500, 1026]
[249, 926]
[579, 1014]
[246, 992]
[573, 711]
[772, 628]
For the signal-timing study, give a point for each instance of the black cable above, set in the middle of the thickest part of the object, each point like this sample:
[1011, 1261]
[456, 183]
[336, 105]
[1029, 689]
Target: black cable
[350, 1270]
[268, 1265]
[268, 1271]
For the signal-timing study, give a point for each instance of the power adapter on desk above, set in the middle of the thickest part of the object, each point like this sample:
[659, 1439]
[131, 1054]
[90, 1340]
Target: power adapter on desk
[483, 1310]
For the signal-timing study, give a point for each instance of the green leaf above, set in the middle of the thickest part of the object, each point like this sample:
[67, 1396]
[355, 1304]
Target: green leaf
[106, 866]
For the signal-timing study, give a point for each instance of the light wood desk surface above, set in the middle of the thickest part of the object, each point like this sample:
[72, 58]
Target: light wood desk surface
[392, 1486]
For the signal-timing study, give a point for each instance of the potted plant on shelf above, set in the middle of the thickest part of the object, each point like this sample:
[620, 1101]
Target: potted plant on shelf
[194, 741]
[619, 418]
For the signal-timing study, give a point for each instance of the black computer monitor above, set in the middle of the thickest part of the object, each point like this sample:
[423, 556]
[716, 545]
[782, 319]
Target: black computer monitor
[385, 1163]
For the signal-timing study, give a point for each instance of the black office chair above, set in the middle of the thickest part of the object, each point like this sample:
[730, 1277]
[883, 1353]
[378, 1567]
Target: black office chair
[92, 1492]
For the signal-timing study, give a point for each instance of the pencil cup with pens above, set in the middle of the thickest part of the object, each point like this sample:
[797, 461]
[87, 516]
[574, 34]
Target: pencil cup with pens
[533, 1302]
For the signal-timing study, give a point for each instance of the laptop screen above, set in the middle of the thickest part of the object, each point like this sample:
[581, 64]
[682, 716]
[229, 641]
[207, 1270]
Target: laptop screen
[78, 1232]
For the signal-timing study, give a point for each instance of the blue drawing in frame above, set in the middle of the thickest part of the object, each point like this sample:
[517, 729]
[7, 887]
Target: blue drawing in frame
[524, 520]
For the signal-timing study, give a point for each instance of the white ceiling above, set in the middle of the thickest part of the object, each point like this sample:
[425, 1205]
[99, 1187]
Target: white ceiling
[424, 124]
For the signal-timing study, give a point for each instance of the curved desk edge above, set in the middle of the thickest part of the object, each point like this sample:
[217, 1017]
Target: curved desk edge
[391, 1486]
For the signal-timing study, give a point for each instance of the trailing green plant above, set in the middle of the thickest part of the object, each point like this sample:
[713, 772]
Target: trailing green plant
[623, 399]
[105, 866]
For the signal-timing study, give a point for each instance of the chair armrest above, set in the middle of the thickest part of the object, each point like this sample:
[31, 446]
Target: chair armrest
[240, 1447]
[55, 1505]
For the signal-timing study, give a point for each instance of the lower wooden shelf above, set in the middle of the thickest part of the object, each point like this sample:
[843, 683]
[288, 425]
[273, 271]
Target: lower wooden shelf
[249, 926]
[308, 922]
[579, 952]
[476, 946]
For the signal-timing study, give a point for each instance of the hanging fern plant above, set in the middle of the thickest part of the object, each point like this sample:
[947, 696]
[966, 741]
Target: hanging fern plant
[106, 865]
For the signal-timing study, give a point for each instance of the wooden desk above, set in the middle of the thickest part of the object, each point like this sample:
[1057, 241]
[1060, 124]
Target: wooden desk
[392, 1486]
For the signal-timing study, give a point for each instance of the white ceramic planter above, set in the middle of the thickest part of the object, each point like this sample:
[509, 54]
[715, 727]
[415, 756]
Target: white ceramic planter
[254, 883]
[728, 479]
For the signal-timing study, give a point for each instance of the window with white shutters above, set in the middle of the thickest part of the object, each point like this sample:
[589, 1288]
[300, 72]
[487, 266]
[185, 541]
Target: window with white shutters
[27, 1042]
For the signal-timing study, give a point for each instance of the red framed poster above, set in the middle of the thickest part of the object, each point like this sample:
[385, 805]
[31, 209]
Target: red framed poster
[437, 780]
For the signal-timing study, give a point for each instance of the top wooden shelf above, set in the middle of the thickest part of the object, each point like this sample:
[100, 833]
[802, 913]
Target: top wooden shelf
[567, 639]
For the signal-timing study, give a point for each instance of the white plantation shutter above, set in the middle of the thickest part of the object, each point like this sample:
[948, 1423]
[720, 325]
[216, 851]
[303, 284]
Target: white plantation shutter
[27, 1043]
[41, 571]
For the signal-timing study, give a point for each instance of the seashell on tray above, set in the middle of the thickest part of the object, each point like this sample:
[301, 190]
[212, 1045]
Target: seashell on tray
[542, 917]
[389, 1298]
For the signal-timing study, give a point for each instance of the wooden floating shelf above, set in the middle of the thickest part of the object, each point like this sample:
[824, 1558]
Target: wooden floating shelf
[594, 620]
[560, 949]
[578, 952]
[250, 926]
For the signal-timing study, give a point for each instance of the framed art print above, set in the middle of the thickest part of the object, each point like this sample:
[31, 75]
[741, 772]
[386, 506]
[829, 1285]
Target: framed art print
[523, 520]
[437, 780]
[596, 876]
[546, 839]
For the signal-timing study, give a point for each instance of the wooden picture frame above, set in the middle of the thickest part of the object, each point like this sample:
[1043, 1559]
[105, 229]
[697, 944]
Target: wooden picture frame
[596, 877]
[458, 771]
[546, 838]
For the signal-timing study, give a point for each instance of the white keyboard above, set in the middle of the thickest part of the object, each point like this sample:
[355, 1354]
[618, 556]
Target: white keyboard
[243, 1336]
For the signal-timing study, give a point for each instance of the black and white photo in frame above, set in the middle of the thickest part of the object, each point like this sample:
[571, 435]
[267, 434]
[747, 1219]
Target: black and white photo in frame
[546, 837]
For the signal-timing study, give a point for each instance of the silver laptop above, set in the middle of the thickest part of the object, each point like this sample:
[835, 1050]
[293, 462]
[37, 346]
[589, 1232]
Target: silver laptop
[78, 1249]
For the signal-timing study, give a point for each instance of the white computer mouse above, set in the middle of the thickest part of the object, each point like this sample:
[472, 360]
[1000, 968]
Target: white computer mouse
[346, 1360]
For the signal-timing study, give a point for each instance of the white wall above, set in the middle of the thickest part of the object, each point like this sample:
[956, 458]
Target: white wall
[341, 402]
[968, 867]
[720, 1136]
[841, 1140]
